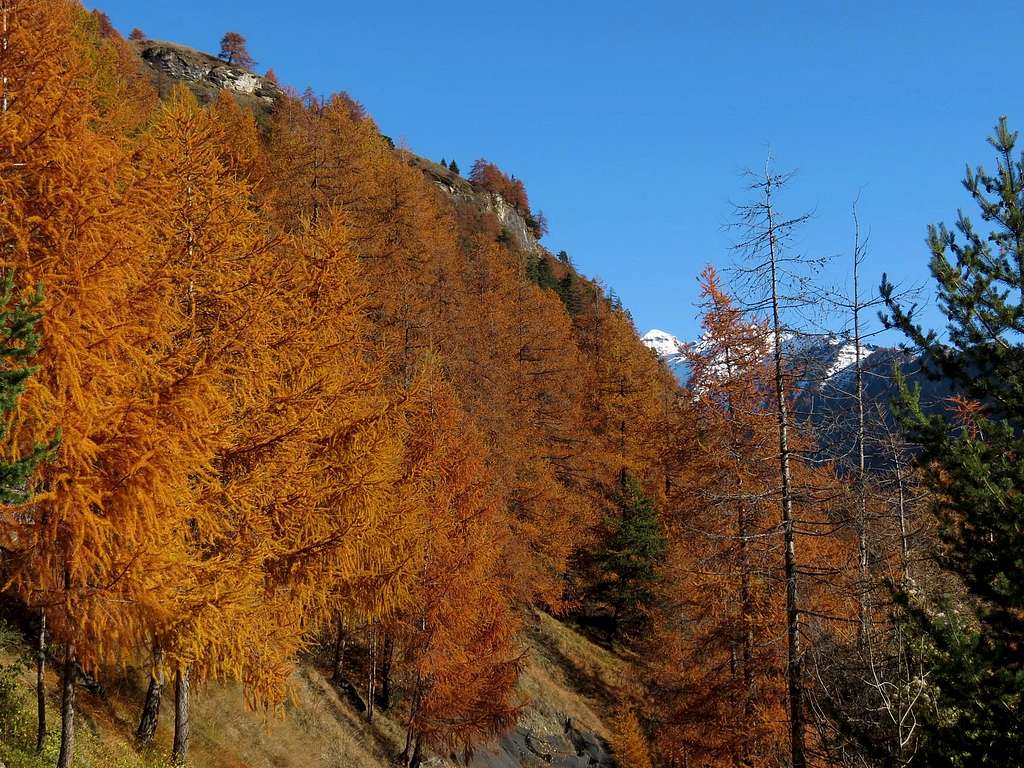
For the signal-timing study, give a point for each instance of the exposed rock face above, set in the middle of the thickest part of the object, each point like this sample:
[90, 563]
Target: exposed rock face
[509, 218]
[511, 221]
[524, 748]
[205, 74]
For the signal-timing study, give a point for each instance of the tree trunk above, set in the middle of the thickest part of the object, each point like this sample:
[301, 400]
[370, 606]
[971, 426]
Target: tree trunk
[151, 708]
[385, 671]
[410, 733]
[371, 682]
[67, 710]
[795, 664]
[339, 651]
[901, 509]
[179, 752]
[417, 753]
[41, 684]
[862, 491]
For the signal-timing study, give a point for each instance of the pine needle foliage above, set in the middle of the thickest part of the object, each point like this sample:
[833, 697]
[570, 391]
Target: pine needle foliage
[971, 462]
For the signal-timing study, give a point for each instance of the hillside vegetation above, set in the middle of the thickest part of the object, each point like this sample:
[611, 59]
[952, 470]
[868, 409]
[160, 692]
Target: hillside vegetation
[307, 441]
[567, 680]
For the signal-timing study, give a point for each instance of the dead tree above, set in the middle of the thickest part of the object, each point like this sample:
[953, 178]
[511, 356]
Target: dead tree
[773, 284]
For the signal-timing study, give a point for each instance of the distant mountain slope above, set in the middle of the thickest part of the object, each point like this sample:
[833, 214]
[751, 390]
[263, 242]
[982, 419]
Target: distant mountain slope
[825, 366]
[818, 357]
[671, 350]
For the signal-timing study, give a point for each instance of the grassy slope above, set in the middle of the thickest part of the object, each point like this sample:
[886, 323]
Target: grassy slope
[566, 676]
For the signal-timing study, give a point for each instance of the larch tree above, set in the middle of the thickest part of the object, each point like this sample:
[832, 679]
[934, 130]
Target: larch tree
[84, 550]
[459, 633]
[516, 379]
[774, 287]
[300, 519]
[725, 683]
[234, 50]
[223, 277]
[730, 698]
[628, 742]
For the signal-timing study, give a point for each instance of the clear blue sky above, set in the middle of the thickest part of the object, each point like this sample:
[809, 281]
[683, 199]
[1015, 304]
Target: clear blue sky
[630, 122]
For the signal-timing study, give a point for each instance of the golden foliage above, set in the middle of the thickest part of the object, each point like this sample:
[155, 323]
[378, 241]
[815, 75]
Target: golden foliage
[628, 743]
[247, 350]
[722, 662]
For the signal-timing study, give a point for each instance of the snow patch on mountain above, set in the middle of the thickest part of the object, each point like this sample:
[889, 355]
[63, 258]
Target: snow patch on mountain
[820, 357]
[662, 342]
[671, 350]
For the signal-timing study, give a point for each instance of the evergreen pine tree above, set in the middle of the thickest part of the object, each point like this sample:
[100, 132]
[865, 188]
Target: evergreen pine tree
[19, 342]
[453, 167]
[971, 458]
[628, 566]
[538, 271]
[567, 292]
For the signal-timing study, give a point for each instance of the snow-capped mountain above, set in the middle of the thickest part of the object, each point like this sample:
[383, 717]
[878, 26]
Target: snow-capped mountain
[826, 358]
[671, 350]
[820, 358]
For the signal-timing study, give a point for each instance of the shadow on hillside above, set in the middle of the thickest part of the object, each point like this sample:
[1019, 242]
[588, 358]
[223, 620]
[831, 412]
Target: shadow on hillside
[339, 700]
[581, 672]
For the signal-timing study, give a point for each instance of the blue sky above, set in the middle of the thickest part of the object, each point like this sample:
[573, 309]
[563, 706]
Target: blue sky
[630, 123]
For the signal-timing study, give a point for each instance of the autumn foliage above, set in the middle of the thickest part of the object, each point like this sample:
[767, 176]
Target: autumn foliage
[303, 395]
[722, 666]
[233, 50]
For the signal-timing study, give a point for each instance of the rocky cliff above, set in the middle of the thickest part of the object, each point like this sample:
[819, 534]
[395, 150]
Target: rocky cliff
[206, 76]
[463, 193]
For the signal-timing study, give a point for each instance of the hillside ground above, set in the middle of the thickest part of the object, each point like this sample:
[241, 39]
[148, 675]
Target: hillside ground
[567, 680]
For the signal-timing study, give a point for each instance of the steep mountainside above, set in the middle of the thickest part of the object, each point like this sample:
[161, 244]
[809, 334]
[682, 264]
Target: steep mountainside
[413, 418]
[825, 367]
[567, 690]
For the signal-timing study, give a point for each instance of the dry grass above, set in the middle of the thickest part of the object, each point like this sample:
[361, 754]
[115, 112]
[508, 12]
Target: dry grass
[566, 676]
[569, 676]
[315, 729]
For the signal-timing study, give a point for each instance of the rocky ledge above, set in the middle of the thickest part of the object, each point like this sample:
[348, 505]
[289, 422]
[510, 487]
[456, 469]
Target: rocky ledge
[204, 74]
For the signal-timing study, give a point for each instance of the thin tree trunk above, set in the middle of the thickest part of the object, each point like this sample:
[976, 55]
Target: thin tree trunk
[417, 753]
[795, 664]
[179, 751]
[371, 682]
[410, 733]
[67, 710]
[386, 663]
[902, 512]
[340, 643]
[151, 707]
[862, 494]
[41, 684]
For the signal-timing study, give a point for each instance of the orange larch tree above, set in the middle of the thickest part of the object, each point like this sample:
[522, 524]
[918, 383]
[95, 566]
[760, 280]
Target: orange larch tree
[87, 549]
[723, 680]
[458, 634]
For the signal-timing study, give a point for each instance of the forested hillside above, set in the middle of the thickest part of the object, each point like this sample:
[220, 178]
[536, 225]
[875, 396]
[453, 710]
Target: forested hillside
[294, 412]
